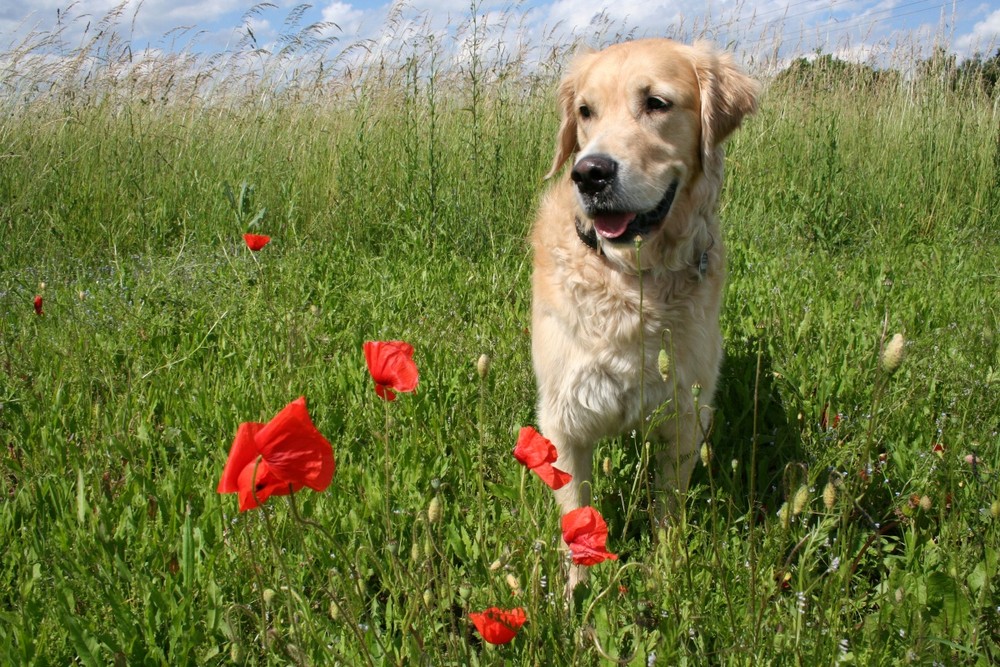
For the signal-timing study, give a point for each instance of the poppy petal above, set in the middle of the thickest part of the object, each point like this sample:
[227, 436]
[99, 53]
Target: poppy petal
[498, 626]
[294, 450]
[256, 241]
[533, 449]
[552, 476]
[391, 365]
[242, 452]
[267, 484]
[586, 535]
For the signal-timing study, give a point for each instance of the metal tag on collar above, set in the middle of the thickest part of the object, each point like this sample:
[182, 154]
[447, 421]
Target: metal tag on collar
[703, 264]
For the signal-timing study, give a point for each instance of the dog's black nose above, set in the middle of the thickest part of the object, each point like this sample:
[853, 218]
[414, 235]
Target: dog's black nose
[594, 173]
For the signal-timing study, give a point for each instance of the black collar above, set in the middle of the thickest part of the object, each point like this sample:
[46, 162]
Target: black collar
[589, 238]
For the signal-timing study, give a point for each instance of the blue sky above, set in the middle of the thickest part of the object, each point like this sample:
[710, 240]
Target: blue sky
[855, 29]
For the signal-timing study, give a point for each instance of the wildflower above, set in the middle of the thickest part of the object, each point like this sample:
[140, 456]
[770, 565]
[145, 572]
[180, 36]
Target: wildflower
[586, 534]
[498, 626]
[925, 503]
[391, 366]
[892, 353]
[537, 453]
[277, 458]
[938, 449]
[256, 241]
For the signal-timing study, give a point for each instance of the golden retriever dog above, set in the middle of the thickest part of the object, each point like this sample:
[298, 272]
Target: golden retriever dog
[629, 257]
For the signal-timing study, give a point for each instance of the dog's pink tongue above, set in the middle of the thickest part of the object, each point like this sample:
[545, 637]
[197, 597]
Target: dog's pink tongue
[612, 225]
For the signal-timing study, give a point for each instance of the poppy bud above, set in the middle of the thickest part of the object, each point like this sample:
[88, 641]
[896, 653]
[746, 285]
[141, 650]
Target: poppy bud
[483, 366]
[334, 610]
[705, 454]
[800, 500]
[268, 596]
[995, 509]
[428, 597]
[829, 495]
[606, 465]
[734, 464]
[514, 584]
[236, 652]
[495, 565]
[465, 591]
[663, 364]
[434, 510]
[415, 552]
[892, 354]
[696, 390]
[785, 515]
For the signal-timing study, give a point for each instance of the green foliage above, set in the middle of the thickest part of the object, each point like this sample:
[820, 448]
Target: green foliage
[399, 209]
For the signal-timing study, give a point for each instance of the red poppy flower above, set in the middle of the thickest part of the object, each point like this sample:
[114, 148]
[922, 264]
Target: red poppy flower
[38, 304]
[586, 534]
[499, 626]
[256, 241]
[391, 366]
[537, 453]
[277, 458]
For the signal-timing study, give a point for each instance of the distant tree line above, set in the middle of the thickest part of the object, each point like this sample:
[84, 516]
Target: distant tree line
[975, 74]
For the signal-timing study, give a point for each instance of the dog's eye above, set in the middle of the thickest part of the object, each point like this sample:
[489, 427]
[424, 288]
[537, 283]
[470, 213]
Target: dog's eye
[654, 103]
[584, 111]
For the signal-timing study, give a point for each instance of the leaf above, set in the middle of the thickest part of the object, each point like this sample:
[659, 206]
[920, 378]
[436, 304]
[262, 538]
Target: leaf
[946, 597]
[81, 497]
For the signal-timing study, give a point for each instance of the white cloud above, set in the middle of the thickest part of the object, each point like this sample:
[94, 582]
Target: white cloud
[984, 37]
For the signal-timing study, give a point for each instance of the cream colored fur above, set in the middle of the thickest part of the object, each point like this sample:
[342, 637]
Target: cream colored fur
[589, 344]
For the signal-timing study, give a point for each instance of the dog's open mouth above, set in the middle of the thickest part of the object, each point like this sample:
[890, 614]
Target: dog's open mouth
[620, 227]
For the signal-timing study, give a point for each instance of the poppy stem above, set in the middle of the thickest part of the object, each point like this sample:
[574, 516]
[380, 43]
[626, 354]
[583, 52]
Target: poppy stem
[388, 480]
[342, 610]
[283, 566]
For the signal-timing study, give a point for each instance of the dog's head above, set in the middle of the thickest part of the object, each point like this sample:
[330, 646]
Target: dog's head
[646, 120]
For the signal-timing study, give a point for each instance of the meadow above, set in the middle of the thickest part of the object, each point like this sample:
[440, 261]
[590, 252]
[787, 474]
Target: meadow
[846, 515]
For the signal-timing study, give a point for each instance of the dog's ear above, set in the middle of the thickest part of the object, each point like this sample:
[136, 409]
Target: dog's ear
[727, 95]
[566, 143]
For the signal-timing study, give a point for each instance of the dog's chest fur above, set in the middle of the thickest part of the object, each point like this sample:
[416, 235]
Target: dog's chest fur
[596, 312]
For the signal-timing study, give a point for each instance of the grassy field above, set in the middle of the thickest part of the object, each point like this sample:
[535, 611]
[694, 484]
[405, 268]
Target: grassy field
[846, 516]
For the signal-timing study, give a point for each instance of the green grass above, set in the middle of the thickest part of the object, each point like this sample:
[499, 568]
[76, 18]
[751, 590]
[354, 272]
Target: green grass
[400, 211]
